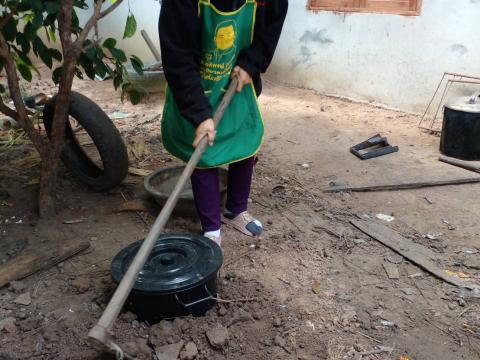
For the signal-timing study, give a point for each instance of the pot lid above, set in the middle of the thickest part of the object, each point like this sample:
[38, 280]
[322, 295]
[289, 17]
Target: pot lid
[467, 104]
[178, 262]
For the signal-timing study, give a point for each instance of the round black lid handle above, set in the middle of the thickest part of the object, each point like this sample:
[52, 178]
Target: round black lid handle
[167, 260]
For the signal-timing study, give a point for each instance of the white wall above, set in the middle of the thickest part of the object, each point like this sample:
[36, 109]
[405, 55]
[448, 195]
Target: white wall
[388, 59]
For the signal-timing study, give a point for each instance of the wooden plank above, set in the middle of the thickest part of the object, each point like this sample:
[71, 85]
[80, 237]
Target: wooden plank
[402, 186]
[468, 165]
[416, 253]
[37, 260]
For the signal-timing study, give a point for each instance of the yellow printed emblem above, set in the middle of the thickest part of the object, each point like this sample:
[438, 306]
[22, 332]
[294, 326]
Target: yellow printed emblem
[225, 37]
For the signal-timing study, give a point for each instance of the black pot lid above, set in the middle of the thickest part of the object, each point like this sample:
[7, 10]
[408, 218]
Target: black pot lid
[469, 104]
[178, 262]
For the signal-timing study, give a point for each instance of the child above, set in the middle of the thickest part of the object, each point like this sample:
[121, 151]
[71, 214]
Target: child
[204, 43]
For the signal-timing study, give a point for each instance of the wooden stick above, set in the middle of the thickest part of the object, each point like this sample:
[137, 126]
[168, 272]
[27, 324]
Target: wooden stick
[151, 46]
[402, 186]
[408, 249]
[35, 261]
[460, 163]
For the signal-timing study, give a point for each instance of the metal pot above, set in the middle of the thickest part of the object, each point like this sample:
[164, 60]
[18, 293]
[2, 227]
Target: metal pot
[461, 128]
[178, 279]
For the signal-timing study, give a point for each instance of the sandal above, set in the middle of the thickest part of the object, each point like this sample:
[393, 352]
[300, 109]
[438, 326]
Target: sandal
[243, 222]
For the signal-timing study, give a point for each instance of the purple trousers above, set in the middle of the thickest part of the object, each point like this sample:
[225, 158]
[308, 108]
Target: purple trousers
[206, 192]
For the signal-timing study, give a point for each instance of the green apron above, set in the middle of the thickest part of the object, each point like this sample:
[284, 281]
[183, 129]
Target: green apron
[240, 132]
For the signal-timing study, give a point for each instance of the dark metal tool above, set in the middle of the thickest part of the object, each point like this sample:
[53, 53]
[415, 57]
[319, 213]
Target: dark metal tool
[379, 146]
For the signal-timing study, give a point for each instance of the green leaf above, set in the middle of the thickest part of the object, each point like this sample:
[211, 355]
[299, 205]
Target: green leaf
[78, 73]
[117, 81]
[119, 55]
[37, 22]
[57, 55]
[51, 32]
[130, 27]
[10, 30]
[43, 52]
[137, 64]
[2, 89]
[52, 7]
[23, 42]
[110, 43]
[101, 69]
[87, 64]
[135, 96]
[25, 71]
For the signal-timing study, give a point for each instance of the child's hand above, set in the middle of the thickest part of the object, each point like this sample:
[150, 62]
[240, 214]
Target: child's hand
[243, 77]
[206, 127]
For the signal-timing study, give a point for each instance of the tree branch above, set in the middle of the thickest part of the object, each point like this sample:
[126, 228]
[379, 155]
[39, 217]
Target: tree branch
[97, 15]
[16, 95]
[65, 24]
[8, 111]
[5, 20]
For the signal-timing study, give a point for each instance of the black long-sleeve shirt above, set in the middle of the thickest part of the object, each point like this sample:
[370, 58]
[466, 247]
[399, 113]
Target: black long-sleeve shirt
[180, 41]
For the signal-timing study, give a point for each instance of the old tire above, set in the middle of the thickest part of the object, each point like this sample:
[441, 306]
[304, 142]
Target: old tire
[105, 136]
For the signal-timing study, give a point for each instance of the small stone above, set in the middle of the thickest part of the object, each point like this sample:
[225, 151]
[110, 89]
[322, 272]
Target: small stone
[277, 322]
[349, 315]
[218, 336]
[163, 331]
[50, 335]
[128, 317]
[21, 316]
[189, 352]
[303, 356]
[394, 259]
[30, 323]
[280, 341]
[169, 352]
[8, 325]
[178, 323]
[222, 311]
[472, 264]
[408, 291]
[139, 349]
[81, 285]
[392, 271]
[257, 315]
[17, 287]
[461, 302]
[23, 299]
[452, 306]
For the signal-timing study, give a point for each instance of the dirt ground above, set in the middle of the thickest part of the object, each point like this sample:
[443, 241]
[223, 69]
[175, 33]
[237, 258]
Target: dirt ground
[312, 287]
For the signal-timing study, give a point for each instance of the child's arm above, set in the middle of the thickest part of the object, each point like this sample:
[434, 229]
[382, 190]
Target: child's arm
[179, 29]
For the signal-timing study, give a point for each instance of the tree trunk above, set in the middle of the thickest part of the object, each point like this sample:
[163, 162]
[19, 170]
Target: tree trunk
[48, 182]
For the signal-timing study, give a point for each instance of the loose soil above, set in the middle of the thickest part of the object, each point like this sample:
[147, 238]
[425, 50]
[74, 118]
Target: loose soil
[312, 287]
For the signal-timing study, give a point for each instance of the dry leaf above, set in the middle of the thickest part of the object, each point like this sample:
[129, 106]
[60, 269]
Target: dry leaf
[316, 288]
[33, 182]
[133, 205]
[27, 162]
[459, 274]
[74, 221]
[137, 148]
[139, 172]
